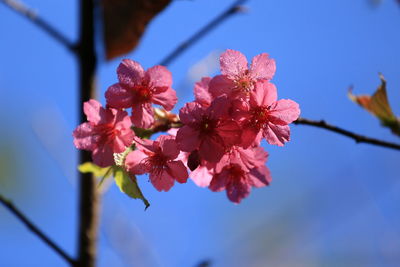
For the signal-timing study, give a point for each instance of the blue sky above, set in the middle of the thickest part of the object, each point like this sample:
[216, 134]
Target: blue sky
[331, 203]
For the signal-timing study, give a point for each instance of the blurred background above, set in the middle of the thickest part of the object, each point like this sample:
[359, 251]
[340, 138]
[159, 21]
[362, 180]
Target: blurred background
[331, 203]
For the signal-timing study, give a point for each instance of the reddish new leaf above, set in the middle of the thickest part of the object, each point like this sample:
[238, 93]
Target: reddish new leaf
[124, 22]
[378, 105]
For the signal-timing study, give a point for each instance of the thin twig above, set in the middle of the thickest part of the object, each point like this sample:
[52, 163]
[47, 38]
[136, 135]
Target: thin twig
[231, 10]
[358, 138]
[32, 16]
[10, 206]
[163, 126]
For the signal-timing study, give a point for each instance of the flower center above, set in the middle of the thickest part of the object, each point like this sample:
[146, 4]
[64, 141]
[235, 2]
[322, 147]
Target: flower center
[259, 116]
[207, 126]
[107, 132]
[143, 93]
[155, 163]
[244, 83]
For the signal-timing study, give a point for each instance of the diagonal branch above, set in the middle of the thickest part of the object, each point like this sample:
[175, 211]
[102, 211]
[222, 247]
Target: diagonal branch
[31, 15]
[165, 125]
[36, 230]
[233, 9]
[358, 138]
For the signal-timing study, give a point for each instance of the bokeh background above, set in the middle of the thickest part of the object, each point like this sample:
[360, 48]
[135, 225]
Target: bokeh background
[332, 202]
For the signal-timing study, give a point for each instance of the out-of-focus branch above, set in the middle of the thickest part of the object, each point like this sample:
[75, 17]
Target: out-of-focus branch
[88, 193]
[31, 15]
[233, 9]
[358, 138]
[10, 206]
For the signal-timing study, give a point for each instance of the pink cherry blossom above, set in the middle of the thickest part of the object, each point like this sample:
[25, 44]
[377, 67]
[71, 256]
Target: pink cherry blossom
[247, 159]
[237, 182]
[237, 80]
[201, 92]
[203, 174]
[159, 159]
[139, 89]
[268, 117]
[209, 130]
[106, 132]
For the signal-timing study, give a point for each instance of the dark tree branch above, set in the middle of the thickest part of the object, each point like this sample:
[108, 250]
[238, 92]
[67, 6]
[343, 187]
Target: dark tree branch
[231, 10]
[10, 206]
[358, 138]
[88, 194]
[26, 12]
[165, 125]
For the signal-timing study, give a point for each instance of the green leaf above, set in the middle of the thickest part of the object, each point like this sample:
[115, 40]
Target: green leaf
[127, 183]
[89, 167]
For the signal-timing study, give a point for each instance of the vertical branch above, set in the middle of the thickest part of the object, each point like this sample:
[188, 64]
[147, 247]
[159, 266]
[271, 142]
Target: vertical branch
[88, 199]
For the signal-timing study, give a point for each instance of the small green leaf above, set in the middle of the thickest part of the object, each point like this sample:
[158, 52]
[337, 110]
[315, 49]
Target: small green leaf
[127, 183]
[89, 167]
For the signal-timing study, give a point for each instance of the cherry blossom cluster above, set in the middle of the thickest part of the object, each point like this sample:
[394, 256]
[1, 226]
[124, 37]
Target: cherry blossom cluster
[218, 140]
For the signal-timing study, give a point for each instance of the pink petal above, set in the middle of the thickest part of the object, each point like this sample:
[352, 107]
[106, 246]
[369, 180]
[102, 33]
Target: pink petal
[118, 145]
[262, 67]
[173, 131]
[92, 110]
[211, 149]
[219, 108]
[230, 132]
[142, 115]
[122, 120]
[127, 135]
[264, 94]
[277, 134]
[146, 144]
[220, 85]
[168, 146]
[178, 171]
[260, 177]
[284, 111]
[191, 113]
[159, 77]
[250, 136]
[201, 93]
[233, 63]
[163, 181]
[103, 156]
[260, 156]
[224, 161]
[201, 176]
[219, 181]
[130, 72]
[123, 125]
[238, 190]
[134, 162]
[246, 158]
[187, 138]
[85, 137]
[118, 96]
[166, 99]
